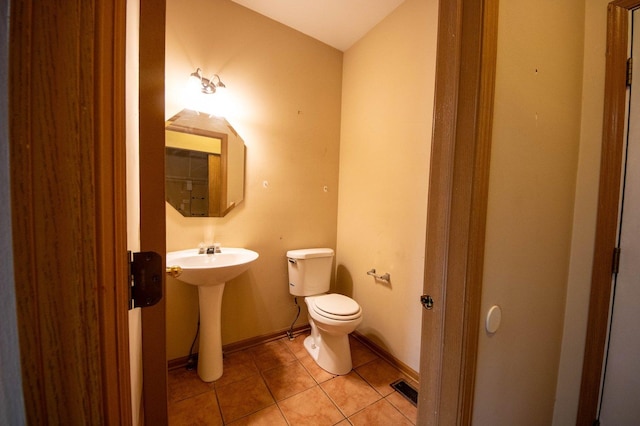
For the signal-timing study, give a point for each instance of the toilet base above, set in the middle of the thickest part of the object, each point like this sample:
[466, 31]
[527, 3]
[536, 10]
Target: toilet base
[332, 353]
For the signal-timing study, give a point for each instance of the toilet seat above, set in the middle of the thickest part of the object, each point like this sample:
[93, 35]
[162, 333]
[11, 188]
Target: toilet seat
[337, 307]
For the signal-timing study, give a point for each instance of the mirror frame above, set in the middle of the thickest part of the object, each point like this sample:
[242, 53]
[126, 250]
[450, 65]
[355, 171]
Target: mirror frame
[218, 183]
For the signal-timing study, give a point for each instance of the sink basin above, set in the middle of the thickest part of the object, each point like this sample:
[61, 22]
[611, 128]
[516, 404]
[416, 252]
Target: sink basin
[211, 269]
[210, 272]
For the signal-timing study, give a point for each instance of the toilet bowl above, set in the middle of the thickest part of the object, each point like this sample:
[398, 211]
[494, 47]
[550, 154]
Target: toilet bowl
[332, 316]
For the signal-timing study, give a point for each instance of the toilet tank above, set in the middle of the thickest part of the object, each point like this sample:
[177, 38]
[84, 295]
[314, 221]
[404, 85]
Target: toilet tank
[309, 271]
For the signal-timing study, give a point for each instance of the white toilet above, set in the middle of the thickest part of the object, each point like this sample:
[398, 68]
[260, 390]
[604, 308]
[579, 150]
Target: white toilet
[331, 316]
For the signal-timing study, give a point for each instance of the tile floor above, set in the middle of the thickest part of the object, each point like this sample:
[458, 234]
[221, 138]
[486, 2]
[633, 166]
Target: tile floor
[277, 383]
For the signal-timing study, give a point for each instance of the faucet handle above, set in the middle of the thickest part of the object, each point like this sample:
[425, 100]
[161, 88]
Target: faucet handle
[215, 248]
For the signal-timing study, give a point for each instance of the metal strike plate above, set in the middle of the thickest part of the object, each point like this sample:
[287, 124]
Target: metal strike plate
[427, 301]
[146, 279]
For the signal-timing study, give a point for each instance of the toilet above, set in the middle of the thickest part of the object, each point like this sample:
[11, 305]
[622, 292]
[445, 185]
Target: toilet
[332, 316]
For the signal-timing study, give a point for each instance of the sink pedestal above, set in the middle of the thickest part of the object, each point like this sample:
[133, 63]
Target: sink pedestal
[209, 272]
[210, 346]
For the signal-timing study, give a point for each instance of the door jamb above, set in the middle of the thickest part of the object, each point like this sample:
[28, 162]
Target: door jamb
[458, 187]
[608, 198]
[152, 203]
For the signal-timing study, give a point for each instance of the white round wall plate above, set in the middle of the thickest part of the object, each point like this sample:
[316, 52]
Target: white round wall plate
[494, 317]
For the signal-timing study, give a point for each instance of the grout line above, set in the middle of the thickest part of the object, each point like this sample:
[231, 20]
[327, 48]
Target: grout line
[289, 349]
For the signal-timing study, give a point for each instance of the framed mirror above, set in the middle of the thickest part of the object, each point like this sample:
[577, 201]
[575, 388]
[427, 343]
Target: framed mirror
[204, 165]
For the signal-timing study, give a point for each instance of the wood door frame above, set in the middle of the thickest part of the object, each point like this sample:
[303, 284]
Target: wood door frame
[461, 146]
[67, 151]
[614, 123]
[152, 203]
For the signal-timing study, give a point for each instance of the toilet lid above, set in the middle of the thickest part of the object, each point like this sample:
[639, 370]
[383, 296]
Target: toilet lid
[336, 304]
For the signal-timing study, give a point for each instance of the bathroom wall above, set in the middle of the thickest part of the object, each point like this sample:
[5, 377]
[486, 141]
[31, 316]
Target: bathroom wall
[385, 145]
[284, 94]
[584, 216]
[534, 158]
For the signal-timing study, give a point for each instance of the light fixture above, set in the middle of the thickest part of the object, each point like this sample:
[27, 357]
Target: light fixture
[207, 85]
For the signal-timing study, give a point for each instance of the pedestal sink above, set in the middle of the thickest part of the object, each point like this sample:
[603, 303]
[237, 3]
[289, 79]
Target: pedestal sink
[210, 272]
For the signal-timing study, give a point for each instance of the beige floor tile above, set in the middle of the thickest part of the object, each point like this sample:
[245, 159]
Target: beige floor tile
[201, 409]
[318, 373]
[409, 410]
[243, 397]
[183, 384]
[270, 416]
[350, 393]
[288, 380]
[236, 366]
[360, 354]
[310, 408]
[296, 346]
[272, 354]
[381, 413]
[380, 374]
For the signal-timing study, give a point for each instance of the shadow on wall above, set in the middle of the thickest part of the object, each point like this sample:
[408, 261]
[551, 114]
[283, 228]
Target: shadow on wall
[344, 285]
[344, 281]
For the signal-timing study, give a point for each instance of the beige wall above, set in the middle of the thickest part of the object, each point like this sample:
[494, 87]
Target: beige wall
[284, 90]
[384, 167]
[536, 137]
[287, 91]
[584, 218]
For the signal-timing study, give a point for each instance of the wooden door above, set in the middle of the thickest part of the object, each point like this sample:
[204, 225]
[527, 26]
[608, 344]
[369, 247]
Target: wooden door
[66, 104]
[67, 143]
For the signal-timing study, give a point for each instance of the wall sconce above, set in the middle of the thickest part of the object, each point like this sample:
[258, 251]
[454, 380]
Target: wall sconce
[207, 86]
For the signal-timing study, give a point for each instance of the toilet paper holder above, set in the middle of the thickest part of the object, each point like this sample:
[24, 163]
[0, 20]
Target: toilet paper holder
[384, 277]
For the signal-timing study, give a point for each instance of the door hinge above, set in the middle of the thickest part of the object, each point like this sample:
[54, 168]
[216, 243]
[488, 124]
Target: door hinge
[615, 266]
[145, 279]
[629, 71]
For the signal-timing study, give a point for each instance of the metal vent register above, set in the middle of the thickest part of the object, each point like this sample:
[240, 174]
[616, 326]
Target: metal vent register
[406, 390]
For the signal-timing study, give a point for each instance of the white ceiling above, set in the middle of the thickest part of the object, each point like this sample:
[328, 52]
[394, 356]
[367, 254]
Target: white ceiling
[338, 23]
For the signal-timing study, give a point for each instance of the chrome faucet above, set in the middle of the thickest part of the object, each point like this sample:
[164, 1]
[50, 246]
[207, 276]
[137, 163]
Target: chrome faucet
[215, 248]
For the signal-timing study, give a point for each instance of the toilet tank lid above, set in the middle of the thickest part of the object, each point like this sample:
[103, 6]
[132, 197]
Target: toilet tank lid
[309, 253]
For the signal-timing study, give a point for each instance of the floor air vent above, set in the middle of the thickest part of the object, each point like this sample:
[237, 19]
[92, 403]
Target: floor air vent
[406, 390]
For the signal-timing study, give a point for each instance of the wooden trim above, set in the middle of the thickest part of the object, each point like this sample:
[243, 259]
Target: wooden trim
[384, 354]
[66, 101]
[259, 340]
[111, 209]
[152, 203]
[478, 208]
[465, 74]
[223, 176]
[608, 199]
